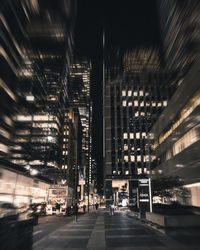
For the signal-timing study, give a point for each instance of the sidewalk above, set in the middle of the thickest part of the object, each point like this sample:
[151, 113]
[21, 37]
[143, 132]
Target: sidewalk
[99, 231]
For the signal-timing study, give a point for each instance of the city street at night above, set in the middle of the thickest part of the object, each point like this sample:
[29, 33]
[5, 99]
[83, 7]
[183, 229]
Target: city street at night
[101, 231]
[99, 124]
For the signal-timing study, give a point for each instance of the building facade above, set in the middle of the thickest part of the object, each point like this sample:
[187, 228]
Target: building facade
[133, 102]
[71, 148]
[79, 91]
[179, 26]
[176, 137]
[34, 83]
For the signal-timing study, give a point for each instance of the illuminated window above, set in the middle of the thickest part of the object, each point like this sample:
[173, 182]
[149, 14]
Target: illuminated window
[64, 166]
[125, 136]
[5, 133]
[30, 98]
[126, 172]
[165, 103]
[125, 147]
[168, 155]
[129, 93]
[123, 92]
[142, 104]
[124, 103]
[135, 103]
[141, 93]
[131, 135]
[139, 170]
[153, 104]
[144, 134]
[135, 93]
[137, 135]
[185, 112]
[3, 148]
[188, 139]
[132, 158]
[130, 104]
[139, 158]
[24, 118]
[126, 158]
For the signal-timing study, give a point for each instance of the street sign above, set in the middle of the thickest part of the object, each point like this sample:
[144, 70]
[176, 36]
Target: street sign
[144, 194]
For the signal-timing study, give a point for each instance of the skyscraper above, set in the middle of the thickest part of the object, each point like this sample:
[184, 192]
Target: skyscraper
[36, 88]
[79, 91]
[133, 102]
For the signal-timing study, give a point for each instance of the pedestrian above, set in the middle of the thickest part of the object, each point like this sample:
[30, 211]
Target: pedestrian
[112, 208]
[57, 208]
[84, 208]
[75, 212]
[96, 206]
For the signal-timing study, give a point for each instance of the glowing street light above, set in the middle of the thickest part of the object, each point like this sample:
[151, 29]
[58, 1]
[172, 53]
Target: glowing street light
[27, 167]
[34, 172]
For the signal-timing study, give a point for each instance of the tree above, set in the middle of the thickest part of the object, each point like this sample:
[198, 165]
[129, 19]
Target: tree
[123, 193]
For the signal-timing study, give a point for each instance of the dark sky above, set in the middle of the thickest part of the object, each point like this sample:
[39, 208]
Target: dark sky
[127, 24]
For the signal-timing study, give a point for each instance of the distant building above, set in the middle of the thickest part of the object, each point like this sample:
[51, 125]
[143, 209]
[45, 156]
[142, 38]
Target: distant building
[79, 92]
[71, 147]
[94, 173]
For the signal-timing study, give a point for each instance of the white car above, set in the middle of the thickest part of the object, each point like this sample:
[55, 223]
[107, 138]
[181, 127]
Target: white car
[8, 210]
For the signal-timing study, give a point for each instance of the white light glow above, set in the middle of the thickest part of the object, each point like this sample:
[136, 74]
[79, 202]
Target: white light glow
[34, 172]
[30, 98]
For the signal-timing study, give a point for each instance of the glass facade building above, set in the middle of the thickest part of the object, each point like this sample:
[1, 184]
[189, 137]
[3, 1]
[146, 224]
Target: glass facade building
[36, 48]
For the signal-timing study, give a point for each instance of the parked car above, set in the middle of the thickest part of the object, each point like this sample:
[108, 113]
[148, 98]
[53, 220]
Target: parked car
[8, 211]
[50, 209]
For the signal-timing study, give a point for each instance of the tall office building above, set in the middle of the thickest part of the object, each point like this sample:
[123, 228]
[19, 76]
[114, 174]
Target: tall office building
[71, 147]
[176, 138]
[34, 82]
[79, 91]
[176, 132]
[133, 102]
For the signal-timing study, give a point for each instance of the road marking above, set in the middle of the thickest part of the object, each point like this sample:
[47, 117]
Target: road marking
[37, 232]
